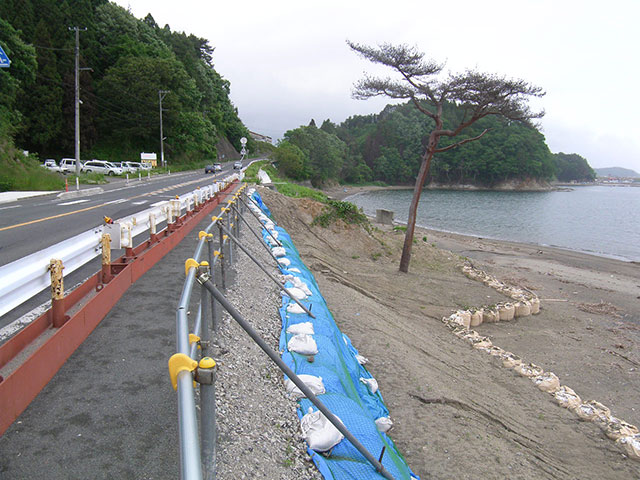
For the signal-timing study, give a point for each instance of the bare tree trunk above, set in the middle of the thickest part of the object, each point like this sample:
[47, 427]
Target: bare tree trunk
[413, 208]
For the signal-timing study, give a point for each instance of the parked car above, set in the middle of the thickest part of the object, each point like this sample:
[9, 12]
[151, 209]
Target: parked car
[100, 166]
[146, 166]
[128, 167]
[217, 167]
[136, 165]
[209, 169]
[68, 165]
[50, 164]
[237, 165]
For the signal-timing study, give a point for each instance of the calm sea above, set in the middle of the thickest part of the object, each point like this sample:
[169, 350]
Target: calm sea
[598, 220]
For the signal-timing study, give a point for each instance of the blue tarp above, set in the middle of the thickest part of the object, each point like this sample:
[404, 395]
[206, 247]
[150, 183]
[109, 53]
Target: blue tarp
[346, 396]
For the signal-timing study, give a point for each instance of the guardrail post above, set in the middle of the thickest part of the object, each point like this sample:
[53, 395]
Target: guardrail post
[106, 258]
[230, 242]
[153, 237]
[215, 310]
[57, 293]
[206, 376]
[222, 257]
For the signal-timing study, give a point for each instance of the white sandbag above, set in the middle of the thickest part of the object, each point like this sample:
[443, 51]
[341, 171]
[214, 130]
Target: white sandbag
[567, 398]
[295, 270]
[490, 316]
[361, 360]
[318, 432]
[522, 309]
[297, 293]
[301, 285]
[535, 305]
[384, 424]
[314, 384]
[285, 262]
[302, 344]
[371, 383]
[593, 411]
[507, 312]
[293, 307]
[528, 370]
[616, 429]
[476, 318]
[304, 328]
[510, 360]
[278, 251]
[482, 343]
[547, 382]
[631, 444]
[466, 317]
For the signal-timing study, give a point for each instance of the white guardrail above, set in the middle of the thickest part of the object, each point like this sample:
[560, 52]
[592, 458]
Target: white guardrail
[24, 278]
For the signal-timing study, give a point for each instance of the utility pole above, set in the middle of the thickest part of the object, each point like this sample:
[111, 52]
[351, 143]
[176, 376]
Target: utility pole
[161, 95]
[77, 30]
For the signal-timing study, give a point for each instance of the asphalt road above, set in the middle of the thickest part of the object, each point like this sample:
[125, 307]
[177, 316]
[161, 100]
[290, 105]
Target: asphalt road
[29, 225]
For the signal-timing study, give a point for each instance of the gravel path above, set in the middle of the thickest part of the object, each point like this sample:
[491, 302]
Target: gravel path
[258, 429]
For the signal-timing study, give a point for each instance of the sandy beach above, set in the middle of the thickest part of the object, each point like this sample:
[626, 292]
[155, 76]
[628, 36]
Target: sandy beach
[458, 412]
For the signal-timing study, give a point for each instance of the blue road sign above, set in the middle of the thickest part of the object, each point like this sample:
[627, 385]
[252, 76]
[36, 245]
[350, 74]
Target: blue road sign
[4, 60]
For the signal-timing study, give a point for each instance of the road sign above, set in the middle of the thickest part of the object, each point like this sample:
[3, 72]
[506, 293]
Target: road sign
[243, 141]
[4, 60]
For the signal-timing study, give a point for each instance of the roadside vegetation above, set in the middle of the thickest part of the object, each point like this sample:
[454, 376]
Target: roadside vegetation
[18, 172]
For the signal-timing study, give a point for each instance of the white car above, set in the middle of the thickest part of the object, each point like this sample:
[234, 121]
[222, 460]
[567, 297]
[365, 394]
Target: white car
[129, 167]
[146, 166]
[50, 164]
[100, 166]
[68, 165]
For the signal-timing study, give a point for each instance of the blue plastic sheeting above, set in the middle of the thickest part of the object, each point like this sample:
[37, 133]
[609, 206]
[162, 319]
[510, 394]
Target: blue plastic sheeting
[346, 396]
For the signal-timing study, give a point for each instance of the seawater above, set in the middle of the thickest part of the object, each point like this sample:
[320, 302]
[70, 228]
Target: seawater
[599, 220]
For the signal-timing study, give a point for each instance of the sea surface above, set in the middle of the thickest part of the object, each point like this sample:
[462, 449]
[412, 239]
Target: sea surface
[600, 220]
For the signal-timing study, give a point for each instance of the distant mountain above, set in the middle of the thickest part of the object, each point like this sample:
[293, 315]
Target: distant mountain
[616, 172]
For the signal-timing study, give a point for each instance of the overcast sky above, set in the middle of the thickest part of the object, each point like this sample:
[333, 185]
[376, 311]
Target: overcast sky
[288, 62]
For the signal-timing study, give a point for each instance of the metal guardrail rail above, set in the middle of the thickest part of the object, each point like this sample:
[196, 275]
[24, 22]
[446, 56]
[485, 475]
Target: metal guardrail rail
[24, 278]
[198, 462]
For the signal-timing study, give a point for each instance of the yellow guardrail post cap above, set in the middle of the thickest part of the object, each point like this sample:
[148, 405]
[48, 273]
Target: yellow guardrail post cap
[216, 253]
[193, 338]
[204, 263]
[207, 362]
[177, 363]
[202, 233]
[215, 219]
[188, 264]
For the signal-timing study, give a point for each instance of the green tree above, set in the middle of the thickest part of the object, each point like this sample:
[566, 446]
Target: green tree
[479, 95]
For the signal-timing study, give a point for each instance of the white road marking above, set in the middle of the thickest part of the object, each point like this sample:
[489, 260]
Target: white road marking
[23, 321]
[113, 202]
[139, 203]
[74, 202]
[12, 206]
[157, 204]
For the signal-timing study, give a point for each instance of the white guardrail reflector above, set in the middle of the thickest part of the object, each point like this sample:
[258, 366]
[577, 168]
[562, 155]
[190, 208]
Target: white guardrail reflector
[24, 278]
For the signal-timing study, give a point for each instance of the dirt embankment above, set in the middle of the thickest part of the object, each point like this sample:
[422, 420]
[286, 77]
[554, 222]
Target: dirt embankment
[458, 413]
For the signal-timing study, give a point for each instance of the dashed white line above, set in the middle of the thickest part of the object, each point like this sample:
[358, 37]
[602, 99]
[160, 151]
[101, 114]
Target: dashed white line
[74, 202]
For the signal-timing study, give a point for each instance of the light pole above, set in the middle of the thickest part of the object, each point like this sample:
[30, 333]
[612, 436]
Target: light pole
[77, 30]
[161, 95]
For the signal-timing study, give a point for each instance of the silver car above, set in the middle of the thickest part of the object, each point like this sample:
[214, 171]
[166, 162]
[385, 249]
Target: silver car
[100, 166]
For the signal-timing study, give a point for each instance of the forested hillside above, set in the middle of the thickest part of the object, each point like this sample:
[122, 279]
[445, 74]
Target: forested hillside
[130, 61]
[388, 147]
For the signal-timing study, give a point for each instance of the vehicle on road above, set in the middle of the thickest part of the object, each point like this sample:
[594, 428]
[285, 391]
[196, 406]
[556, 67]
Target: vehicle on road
[209, 169]
[237, 165]
[100, 166]
[50, 164]
[68, 165]
[217, 167]
[128, 167]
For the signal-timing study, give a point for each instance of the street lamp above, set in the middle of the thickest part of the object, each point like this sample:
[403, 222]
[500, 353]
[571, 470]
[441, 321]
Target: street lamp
[161, 95]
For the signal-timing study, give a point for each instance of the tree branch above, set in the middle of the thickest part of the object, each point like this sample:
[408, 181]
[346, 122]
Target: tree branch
[461, 142]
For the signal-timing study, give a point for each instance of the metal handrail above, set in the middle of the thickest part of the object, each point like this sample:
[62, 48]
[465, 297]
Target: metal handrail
[194, 460]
